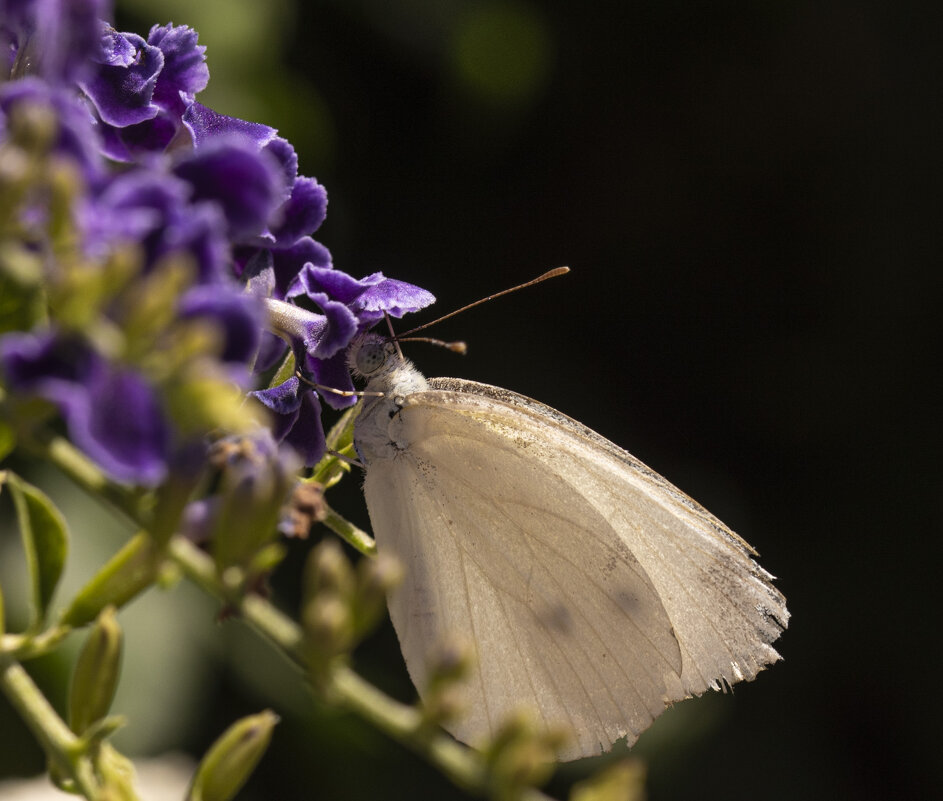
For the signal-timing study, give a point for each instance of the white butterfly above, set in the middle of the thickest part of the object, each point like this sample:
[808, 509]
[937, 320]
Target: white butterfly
[591, 588]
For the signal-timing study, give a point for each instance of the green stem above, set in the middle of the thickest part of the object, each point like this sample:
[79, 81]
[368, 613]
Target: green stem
[23, 646]
[349, 533]
[400, 721]
[60, 744]
[85, 473]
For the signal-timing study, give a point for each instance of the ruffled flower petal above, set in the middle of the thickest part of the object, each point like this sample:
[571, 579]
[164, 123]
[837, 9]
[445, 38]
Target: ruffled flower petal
[185, 72]
[122, 88]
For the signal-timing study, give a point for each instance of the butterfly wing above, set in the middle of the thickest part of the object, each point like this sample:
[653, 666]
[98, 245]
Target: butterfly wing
[592, 590]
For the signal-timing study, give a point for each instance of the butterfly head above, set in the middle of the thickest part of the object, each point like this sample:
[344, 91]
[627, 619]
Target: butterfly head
[371, 355]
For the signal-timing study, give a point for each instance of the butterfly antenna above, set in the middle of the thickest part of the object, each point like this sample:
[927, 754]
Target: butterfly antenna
[455, 347]
[549, 274]
[345, 393]
[389, 324]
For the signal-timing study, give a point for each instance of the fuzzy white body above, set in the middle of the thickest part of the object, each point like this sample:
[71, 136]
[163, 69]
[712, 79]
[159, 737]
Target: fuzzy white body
[592, 590]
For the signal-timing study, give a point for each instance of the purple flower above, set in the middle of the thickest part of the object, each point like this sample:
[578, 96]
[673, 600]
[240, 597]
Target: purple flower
[244, 182]
[297, 418]
[141, 89]
[218, 193]
[52, 39]
[74, 137]
[122, 87]
[303, 206]
[319, 342]
[154, 209]
[185, 72]
[112, 413]
[238, 317]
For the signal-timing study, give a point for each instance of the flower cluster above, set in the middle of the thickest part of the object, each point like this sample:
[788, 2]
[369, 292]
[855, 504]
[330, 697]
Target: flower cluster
[151, 248]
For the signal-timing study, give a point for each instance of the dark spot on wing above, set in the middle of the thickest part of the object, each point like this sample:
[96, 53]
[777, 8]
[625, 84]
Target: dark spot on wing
[556, 618]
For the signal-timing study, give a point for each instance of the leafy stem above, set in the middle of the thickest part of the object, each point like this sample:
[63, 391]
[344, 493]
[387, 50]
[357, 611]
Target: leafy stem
[66, 751]
[341, 685]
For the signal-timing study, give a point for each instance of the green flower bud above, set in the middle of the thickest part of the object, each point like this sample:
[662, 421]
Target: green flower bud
[450, 661]
[624, 781]
[326, 620]
[375, 579]
[232, 758]
[328, 571]
[521, 755]
[443, 706]
[96, 673]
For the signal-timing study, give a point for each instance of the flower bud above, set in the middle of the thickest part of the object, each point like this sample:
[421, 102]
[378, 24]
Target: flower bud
[520, 755]
[96, 673]
[375, 578]
[232, 758]
[443, 706]
[624, 781]
[328, 571]
[450, 661]
[327, 625]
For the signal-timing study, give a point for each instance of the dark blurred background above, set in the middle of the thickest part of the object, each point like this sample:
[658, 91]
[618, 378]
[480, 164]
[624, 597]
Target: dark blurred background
[747, 194]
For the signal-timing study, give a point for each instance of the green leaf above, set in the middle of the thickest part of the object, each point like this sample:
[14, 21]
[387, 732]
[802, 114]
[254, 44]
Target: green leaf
[134, 568]
[45, 542]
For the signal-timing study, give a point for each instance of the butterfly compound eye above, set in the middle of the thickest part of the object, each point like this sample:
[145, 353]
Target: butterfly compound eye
[371, 357]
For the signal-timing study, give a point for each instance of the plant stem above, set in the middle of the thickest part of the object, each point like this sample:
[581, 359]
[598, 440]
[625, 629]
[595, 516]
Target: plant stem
[77, 466]
[57, 740]
[349, 533]
[400, 721]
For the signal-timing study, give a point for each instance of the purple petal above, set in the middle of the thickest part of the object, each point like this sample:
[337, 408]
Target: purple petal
[62, 36]
[153, 209]
[285, 263]
[332, 373]
[307, 434]
[336, 284]
[282, 151]
[112, 414]
[396, 298]
[238, 315]
[244, 183]
[76, 137]
[185, 72]
[284, 399]
[118, 422]
[302, 213]
[30, 361]
[136, 142]
[122, 87]
[340, 329]
[205, 125]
